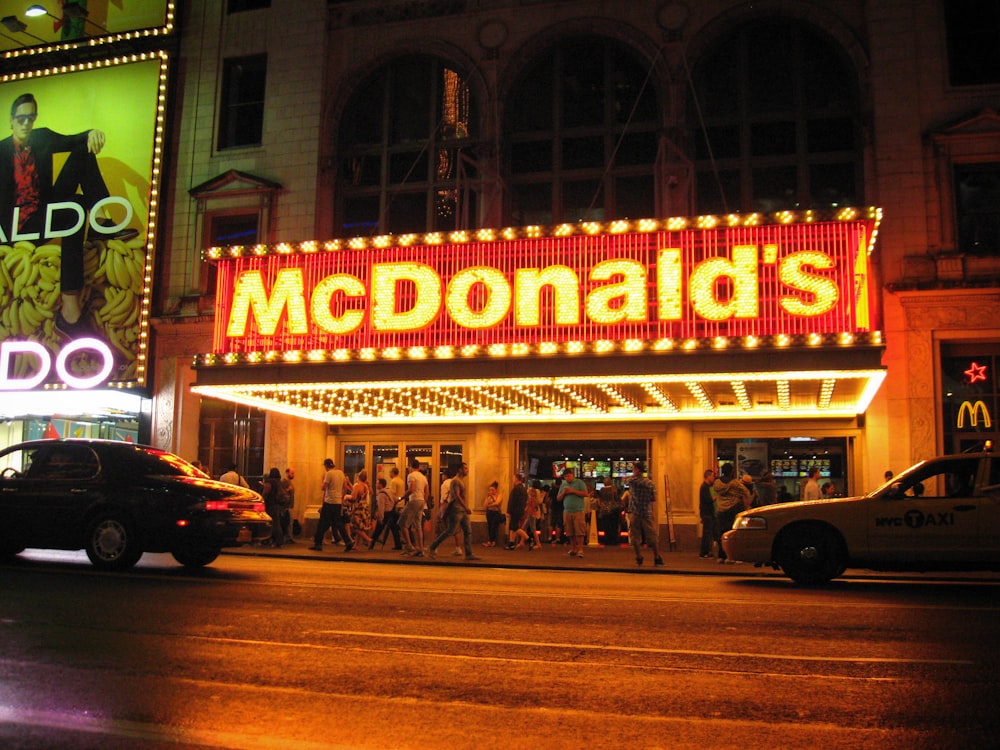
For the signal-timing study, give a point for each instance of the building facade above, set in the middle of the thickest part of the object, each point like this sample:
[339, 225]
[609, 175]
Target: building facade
[414, 127]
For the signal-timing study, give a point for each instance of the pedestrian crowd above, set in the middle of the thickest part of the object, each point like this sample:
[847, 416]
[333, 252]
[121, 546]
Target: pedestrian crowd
[359, 516]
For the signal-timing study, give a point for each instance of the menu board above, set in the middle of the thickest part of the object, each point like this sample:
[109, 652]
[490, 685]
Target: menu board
[793, 467]
[621, 468]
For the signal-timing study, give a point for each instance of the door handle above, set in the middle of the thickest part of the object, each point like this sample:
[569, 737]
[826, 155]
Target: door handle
[964, 508]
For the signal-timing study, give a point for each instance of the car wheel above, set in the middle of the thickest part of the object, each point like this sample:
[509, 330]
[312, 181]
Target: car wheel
[810, 554]
[113, 543]
[197, 555]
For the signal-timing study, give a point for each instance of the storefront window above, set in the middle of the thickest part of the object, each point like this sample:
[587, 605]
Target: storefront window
[37, 428]
[425, 456]
[385, 456]
[354, 460]
[594, 461]
[789, 461]
[970, 398]
[379, 458]
[449, 456]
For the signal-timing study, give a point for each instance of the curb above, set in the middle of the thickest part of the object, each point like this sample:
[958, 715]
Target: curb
[677, 563]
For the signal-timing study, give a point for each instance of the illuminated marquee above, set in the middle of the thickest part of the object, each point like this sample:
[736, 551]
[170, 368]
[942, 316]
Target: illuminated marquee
[692, 279]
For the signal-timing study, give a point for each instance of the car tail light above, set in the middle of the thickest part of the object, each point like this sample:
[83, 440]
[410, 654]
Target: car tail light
[233, 505]
[216, 505]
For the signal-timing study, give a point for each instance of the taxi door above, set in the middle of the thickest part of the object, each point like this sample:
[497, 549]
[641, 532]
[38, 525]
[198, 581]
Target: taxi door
[989, 514]
[930, 515]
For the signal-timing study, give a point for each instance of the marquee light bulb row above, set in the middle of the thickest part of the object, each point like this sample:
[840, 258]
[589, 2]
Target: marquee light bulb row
[564, 399]
[587, 228]
[544, 349]
[94, 65]
[99, 41]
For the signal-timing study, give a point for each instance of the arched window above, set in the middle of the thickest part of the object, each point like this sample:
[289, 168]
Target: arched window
[401, 144]
[776, 122]
[581, 135]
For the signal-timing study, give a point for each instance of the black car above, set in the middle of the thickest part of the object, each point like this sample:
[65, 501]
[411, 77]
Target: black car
[118, 500]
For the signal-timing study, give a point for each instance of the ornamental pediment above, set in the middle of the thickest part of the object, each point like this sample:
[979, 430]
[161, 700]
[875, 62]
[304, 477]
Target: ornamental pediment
[987, 121]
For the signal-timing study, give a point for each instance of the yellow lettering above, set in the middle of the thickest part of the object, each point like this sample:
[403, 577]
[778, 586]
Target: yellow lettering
[669, 300]
[250, 297]
[392, 283]
[823, 290]
[631, 291]
[528, 285]
[492, 283]
[322, 303]
[743, 300]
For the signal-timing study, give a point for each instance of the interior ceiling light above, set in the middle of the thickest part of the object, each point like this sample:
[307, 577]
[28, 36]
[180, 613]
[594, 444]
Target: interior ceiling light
[70, 10]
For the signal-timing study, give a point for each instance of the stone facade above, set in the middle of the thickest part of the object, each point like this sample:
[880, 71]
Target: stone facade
[915, 127]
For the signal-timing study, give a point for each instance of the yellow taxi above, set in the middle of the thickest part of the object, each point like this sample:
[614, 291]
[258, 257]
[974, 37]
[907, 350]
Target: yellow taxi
[940, 514]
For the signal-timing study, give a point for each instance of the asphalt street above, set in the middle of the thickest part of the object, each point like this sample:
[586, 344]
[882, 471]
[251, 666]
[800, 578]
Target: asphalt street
[595, 558]
[300, 650]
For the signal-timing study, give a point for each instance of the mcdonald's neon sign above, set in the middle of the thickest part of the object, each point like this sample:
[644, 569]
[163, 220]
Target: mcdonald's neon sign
[974, 410]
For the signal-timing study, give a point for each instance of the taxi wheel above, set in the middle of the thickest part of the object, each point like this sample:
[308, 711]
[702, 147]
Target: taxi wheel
[811, 554]
[112, 542]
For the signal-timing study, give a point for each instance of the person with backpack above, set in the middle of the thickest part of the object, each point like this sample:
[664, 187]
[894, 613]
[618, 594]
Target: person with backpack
[386, 516]
[232, 476]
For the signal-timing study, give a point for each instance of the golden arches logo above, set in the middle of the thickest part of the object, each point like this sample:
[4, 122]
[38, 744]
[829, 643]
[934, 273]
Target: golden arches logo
[974, 411]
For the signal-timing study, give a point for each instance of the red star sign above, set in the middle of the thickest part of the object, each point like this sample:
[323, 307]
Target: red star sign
[976, 372]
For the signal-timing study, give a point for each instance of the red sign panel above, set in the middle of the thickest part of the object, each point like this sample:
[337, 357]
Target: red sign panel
[638, 281]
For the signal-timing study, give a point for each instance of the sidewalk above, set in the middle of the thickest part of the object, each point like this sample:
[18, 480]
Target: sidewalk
[555, 557]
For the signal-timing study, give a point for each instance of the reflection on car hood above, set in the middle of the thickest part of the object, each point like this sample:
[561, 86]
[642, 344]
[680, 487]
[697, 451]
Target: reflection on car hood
[832, 502]
[215, 488]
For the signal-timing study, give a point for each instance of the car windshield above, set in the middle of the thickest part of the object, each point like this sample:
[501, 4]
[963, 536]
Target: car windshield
[953, 477]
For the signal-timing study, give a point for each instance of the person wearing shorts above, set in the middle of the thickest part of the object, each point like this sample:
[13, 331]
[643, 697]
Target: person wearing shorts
[411, 520]
[641, 514]
[573, 494]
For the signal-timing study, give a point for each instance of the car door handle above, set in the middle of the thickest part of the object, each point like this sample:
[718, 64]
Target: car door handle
[77, 491]
[963, 508]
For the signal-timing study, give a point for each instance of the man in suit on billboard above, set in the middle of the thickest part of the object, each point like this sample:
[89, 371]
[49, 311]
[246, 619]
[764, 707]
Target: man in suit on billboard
[28, 186]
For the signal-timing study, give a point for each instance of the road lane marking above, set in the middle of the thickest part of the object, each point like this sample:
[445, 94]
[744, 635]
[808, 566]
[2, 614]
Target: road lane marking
[591, 647]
